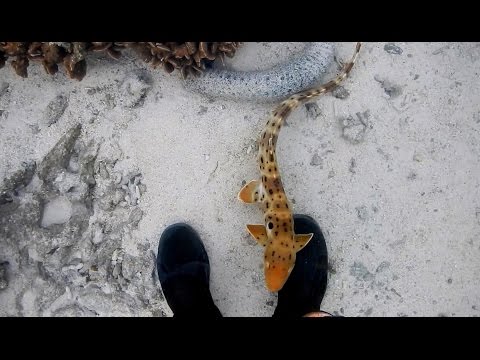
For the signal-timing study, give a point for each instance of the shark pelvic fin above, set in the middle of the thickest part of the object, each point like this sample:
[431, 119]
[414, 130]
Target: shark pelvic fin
[250, 193]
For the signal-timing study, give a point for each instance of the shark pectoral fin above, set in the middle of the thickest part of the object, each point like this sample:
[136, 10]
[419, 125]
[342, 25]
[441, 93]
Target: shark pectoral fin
[301, 240]
[259, 233]
[250, 193]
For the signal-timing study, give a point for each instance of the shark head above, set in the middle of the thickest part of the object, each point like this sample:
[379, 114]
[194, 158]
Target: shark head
[281, 246]
[278, 264]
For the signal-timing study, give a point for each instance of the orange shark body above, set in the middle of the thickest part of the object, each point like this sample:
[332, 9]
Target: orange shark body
[277, 233]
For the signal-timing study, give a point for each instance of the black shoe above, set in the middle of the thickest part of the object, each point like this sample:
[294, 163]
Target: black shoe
[184, 272]
[304, 290]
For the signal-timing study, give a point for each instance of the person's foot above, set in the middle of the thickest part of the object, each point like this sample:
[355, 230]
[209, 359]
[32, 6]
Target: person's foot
[184, 272]
[304, 290]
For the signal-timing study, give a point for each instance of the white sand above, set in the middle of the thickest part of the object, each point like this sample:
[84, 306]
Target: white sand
[400, 207]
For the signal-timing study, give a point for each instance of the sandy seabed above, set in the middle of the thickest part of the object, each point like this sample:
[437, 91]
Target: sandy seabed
[388, 165]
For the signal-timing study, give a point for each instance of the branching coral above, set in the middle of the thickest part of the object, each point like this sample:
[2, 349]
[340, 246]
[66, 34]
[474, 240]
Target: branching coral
[190, 58]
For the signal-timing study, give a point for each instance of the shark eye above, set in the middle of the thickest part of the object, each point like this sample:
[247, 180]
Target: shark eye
[270, 225]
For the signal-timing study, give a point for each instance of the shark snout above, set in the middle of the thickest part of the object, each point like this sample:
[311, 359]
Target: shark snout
[276, 277]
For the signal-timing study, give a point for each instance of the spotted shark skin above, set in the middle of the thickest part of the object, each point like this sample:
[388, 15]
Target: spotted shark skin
[277, 234]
